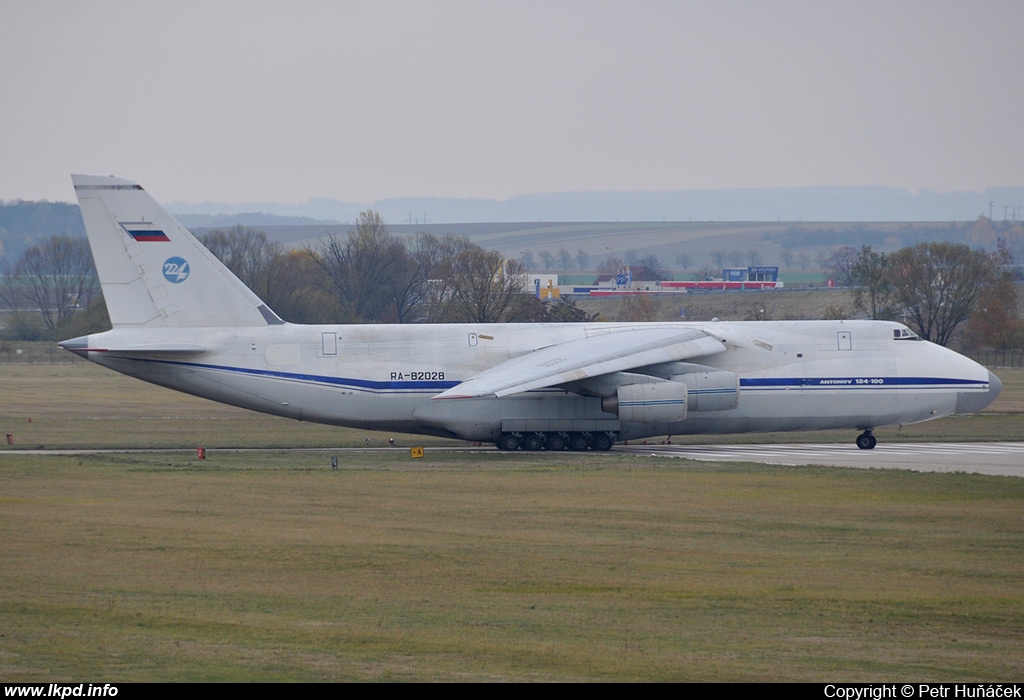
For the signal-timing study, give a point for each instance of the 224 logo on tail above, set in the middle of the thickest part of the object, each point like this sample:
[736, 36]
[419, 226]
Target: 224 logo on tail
[176, 270]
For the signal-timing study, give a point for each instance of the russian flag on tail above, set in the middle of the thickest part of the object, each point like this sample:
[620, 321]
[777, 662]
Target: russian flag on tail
[147, 235]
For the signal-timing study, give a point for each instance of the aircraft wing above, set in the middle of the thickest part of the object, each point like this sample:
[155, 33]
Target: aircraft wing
[604, 353]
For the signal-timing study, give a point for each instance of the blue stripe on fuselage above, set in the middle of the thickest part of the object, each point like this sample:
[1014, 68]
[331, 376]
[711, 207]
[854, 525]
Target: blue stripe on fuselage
[349, 382]
[762, 383]
[747, 383]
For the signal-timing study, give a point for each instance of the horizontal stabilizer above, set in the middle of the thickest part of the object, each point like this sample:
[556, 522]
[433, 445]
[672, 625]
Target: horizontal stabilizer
[82, 345]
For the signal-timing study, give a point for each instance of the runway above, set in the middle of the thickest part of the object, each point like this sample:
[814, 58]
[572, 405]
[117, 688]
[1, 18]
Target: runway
[993, 458]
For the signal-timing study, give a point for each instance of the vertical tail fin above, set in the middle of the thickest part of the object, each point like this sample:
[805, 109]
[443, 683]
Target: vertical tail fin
[153, 272]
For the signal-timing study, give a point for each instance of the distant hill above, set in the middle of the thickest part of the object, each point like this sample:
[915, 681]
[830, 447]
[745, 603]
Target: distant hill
[790, 245]
[253, 219]
[23, 224]
[755, 204]
[792, 227]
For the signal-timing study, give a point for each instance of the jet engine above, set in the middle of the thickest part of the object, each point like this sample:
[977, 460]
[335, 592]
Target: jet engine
[649, 402]
[667, 401]
[711, 390]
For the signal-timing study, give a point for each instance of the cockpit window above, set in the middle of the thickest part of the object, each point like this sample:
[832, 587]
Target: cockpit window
[904, 333]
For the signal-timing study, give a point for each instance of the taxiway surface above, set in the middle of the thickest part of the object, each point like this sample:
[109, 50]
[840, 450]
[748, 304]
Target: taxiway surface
[993, 458]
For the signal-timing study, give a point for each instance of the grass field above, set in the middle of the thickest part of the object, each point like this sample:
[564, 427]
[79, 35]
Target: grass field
[150, 566]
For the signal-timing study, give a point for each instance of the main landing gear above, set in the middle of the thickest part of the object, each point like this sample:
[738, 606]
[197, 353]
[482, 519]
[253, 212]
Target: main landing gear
[556, 442]
[866, 441]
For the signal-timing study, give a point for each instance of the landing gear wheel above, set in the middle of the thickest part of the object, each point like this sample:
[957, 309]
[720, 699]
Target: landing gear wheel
[578, 442]
[508, 442]
[556, 442]
[866, 441]
[533, 442]
[603, 442]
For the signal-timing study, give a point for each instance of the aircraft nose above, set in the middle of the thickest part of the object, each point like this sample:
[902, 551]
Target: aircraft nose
[975, 402]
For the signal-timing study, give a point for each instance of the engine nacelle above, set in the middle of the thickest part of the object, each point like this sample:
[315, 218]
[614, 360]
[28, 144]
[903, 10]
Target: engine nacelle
[648, 402]
[711, 390]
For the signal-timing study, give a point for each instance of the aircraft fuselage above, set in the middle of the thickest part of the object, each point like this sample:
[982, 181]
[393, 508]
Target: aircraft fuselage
[789, 375]
[183, 320]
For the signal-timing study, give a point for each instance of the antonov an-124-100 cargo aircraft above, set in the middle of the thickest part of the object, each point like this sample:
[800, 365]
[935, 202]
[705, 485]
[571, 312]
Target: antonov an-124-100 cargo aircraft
[182, 320]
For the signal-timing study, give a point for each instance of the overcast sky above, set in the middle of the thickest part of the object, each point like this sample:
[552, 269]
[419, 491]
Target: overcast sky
[247, 100]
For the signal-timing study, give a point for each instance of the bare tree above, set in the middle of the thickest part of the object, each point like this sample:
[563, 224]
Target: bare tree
[56, 277]
[651, 268]
[582, 259]
[547, 259]
[838, 265]
[294, 284]
[246, 252]
[368, 269]
[436, 255]
[298, 290]
[873, 288]
[609, 266]
[787, 257]
[481, 286]
[565, 260]
[995, 323]
[939, 284]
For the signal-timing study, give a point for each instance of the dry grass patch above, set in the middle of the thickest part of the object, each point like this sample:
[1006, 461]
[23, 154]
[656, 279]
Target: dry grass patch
[496, 566]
